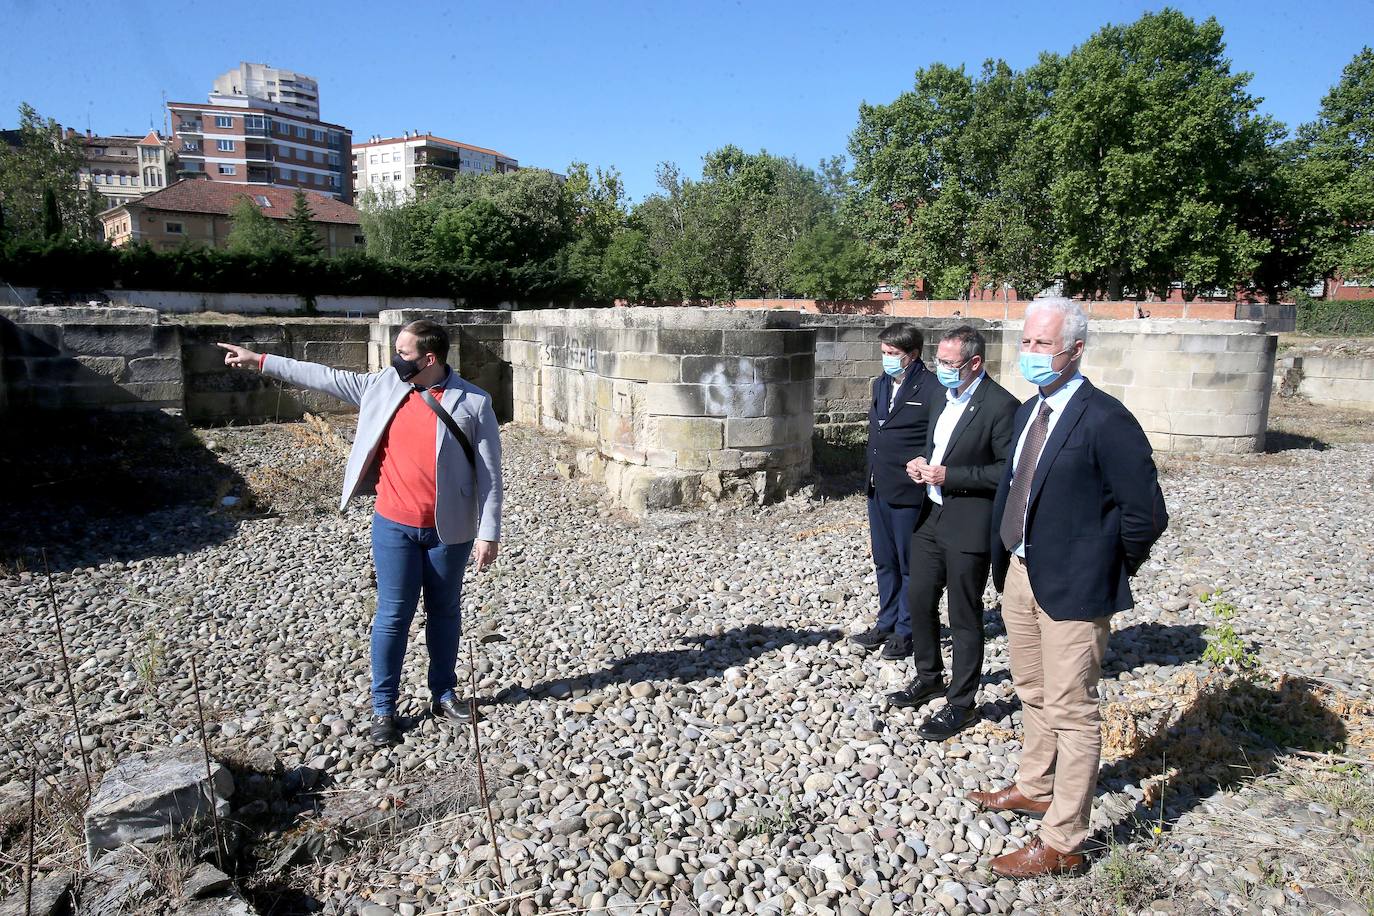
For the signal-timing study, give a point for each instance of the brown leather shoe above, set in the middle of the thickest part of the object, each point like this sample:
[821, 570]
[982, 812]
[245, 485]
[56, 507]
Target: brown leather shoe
[1036, 860]
[1008, 799]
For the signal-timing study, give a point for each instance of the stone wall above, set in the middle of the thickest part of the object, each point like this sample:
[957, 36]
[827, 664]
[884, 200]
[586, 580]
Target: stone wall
[1195, 386]
[79, 358]
[218, 394]
[1334, 381]
[848, 359]
[674, 405]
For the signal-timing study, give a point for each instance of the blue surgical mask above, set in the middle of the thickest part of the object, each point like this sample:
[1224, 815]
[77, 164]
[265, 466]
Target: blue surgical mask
[948, 377]
[1037, 369]
[892, 365]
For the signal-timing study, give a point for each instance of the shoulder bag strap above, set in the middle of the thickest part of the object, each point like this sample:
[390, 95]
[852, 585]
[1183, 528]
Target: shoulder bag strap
[452, 425]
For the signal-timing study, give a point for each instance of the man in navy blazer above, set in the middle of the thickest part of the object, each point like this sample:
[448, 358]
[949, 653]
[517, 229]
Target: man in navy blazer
[898, 429]
[1075, 516]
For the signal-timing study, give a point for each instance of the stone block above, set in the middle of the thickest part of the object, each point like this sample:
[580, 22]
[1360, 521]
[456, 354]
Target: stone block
[110, 340]
[154, 369]
[726, 459]
[803, 366]
[693, 460]
[687, 433]
[643, 489]
[90, 314]
[743, 400]
[751, 432]
[151, 796]
[755, 343]
[674, 400]
[688, 341]
[773, 369]
[168, 393]
[717, 370]
[70, 370]
[338, 354]
[646, 367]
[31, 340]
[793, 398]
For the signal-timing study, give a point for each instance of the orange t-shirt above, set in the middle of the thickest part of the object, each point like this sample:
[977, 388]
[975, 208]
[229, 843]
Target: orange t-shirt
[406, 474]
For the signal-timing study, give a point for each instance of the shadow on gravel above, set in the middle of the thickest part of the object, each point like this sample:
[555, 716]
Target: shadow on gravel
[1154, 643]
[1277, 441]
[81, 484]
[711, 656]
[1232, 729]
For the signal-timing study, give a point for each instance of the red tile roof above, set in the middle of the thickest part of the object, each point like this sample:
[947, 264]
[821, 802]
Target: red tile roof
[433, 139]
[151, 140]
[200, 195]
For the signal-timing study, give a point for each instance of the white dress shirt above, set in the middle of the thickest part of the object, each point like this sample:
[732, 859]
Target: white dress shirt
[944, 428]
[1057, 401]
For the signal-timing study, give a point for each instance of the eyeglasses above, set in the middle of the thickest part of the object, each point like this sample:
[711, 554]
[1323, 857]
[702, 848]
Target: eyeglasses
[945, 364]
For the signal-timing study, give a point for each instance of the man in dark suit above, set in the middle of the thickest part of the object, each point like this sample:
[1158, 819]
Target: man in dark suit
[960, 469]
[1075, 517]
[898, 426]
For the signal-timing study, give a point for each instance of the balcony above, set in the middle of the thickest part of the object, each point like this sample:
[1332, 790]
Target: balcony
[259, 175]
[257, 153]
[190, 127]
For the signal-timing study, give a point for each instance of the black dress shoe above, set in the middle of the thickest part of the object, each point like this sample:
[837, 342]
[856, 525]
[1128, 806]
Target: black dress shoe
[452, 709]
[383, 731]
[916, 694]
[871, 638]
[897, 648]
[946, 723]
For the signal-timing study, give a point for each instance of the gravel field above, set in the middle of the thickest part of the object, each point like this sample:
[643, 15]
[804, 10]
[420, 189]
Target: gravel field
[674, 718]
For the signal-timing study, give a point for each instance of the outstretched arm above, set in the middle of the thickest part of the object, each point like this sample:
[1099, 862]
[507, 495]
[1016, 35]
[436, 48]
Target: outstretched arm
[346, 386]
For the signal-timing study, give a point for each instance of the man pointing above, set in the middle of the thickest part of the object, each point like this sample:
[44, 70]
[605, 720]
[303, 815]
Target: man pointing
[428, 444]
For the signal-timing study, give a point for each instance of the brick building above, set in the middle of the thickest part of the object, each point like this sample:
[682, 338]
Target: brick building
[198, 212]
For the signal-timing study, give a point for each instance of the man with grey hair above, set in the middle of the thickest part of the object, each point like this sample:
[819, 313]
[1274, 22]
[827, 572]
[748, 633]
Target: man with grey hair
[1075, 516]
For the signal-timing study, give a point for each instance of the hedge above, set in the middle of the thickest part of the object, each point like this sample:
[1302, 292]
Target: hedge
[1336, 318]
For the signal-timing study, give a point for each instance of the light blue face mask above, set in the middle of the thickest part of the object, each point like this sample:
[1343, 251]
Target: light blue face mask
[1037, 369]
[948, 377]
[892, 365]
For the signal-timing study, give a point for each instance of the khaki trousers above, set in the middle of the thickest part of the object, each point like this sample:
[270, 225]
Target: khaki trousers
[1055, 667]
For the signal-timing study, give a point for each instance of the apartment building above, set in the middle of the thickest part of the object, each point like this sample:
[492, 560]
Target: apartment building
[123, 168]
[390, 166]
[257, 131]
[285, 90]
[199, 213]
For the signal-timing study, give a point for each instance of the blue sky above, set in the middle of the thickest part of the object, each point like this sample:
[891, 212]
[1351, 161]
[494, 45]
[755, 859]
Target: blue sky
[628, 84]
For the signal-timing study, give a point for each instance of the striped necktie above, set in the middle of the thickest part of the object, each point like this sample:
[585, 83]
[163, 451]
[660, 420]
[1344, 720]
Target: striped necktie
[1014, 518]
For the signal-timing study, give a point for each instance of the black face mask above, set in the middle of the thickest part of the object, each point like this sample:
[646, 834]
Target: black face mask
[407, 369]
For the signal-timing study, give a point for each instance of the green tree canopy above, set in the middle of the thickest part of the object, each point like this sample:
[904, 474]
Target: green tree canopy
[302, 238]
[45, 162]
[253, 232]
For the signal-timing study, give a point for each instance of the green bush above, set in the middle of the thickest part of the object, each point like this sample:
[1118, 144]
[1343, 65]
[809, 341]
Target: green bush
[1336, 318]
[74, 264]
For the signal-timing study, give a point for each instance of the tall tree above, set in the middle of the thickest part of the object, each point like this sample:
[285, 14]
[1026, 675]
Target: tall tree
[1148, 132]
[1337, 151]
[252, 232]
[52, 216]
[302, 238]
[44, 158]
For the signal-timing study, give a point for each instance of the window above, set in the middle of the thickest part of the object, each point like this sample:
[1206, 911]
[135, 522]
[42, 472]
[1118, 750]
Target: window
[124, 180]
[317, 156]
[335, 138]
[228, 169]
[224, 146]
[191, 146]
[396, 177]
[386, 176]
[317, 135]
[334, 159]
[224, 121]
[375, 178]
[373, 159]
[300, 131]
[99, 179]
[255, 122]
[263, 200]
[175, 229]
[359, 240]
[386, 157]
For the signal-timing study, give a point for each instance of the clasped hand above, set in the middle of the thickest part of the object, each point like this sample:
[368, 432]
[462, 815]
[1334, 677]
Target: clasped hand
[921, 471]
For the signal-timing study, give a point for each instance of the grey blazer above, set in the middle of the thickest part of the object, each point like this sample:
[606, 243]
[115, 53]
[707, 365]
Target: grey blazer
[467, 504]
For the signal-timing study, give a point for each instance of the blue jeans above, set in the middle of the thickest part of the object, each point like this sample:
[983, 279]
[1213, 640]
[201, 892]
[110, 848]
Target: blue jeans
[409, 561]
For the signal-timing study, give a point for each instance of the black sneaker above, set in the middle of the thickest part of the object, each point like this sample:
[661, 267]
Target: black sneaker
[383, 731]
[452, 709]
[870, 639]
[896, 648]
[918, 693]
[946, 723]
